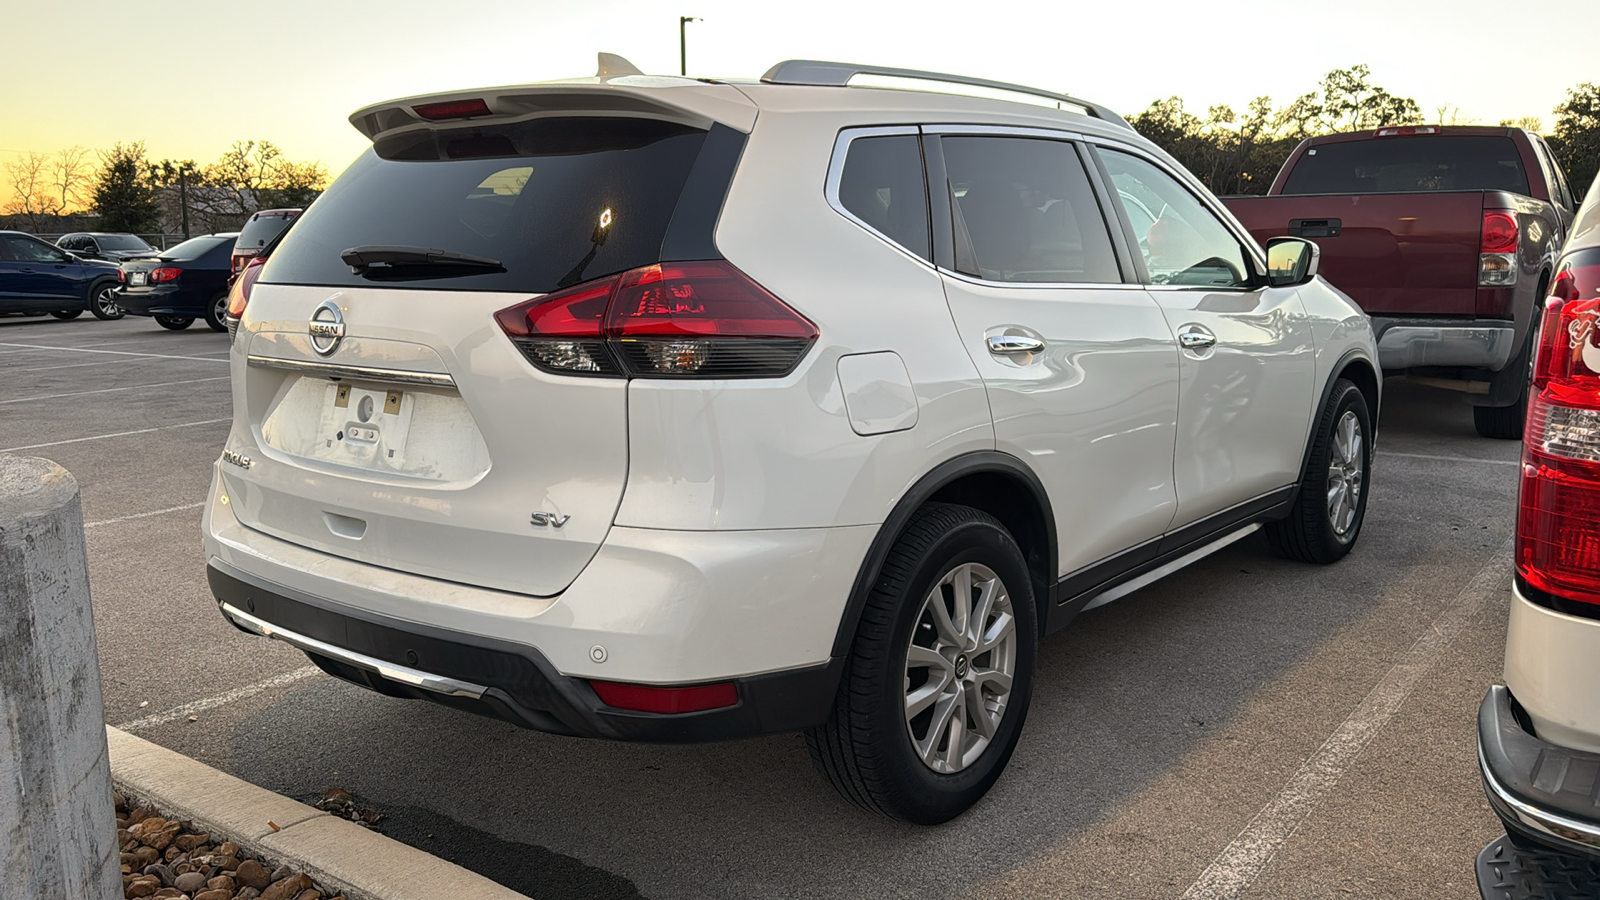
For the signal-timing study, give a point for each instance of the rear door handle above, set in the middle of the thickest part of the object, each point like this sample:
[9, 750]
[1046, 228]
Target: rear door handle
[1194, 337]
[1014, 343]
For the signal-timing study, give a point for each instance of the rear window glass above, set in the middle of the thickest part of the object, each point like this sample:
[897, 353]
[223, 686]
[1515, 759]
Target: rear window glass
[1410, 164]
[260, 230]
[120, 242]
[554, 201]
[194, 248]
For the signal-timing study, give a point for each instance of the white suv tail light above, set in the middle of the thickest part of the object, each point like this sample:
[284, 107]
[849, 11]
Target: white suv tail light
[1558, 521]
[668, 320]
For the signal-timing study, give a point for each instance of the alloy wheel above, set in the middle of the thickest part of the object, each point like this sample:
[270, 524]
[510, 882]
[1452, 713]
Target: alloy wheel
[1345, 473]
[959, 667]
[105, 300]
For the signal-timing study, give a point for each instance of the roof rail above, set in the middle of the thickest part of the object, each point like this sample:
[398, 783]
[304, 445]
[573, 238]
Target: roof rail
[834, 74]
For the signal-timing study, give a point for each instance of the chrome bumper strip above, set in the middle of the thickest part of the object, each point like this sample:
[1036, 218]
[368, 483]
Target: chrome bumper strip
[414, 677]
[1535, 819]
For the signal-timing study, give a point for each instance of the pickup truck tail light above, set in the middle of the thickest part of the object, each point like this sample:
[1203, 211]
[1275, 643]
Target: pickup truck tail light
[1558, 516]
[669, 320]
[1497, 250]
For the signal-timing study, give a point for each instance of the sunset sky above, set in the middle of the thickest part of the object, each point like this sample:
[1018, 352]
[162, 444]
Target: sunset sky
[190, 77]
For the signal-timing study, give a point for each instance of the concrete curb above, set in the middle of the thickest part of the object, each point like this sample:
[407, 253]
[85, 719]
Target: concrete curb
[336, 853]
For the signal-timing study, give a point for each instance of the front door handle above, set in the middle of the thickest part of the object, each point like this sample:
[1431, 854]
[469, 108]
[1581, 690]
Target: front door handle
[1193, 337]
[1014, 343]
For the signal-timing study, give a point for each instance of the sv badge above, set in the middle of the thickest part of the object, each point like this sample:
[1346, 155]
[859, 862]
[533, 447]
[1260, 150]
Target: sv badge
[551, 520]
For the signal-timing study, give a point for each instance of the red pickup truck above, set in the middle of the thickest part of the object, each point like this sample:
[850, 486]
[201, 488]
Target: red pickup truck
[1446, 236]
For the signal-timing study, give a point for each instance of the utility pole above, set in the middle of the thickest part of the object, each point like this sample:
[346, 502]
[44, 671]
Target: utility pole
[183, 197]
[683, 44]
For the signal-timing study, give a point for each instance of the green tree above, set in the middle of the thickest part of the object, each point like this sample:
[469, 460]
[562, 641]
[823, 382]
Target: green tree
[1577, 138]
[123, 194]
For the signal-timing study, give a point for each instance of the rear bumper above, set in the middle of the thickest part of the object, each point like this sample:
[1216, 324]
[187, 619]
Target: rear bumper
[1542, 791]
[500, 679]
[1409, 343]
[164, 300]
[655, 607]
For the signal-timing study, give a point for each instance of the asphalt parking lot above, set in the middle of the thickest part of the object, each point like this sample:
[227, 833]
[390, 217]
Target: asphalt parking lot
[1248, 728]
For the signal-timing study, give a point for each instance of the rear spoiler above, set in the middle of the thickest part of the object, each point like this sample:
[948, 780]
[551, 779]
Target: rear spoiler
[617, 89]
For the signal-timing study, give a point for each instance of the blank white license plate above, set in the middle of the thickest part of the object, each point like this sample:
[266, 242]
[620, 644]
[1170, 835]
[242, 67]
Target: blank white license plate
[137, 278]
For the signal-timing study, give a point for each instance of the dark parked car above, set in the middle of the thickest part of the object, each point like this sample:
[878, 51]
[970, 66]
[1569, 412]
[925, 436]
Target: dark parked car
[38, 278]
[262, 229]
[109, 247]
[184, 283]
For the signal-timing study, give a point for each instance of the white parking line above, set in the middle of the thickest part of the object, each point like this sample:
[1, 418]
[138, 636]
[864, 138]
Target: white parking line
[132, 387]
[1238, 866]
[144, 515]
[1464, 459]
[115, 352]
[233, 696]
[99, 437]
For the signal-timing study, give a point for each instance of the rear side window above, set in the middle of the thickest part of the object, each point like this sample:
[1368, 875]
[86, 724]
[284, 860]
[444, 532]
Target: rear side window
[882, 185]
[1023, 211]
[1424, 163]
[553, 201]
[260, 230]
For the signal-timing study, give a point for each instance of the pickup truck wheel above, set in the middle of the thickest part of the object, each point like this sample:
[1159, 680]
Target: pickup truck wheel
[67, 313]
[938, 679]
[1505, 422]
[1332, 503]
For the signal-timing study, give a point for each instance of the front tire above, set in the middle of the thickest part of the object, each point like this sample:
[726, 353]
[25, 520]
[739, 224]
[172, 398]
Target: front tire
[1332, 501]
[175, 323]
[67, 313]
[937, 684]
[103, 302]
[217, 312]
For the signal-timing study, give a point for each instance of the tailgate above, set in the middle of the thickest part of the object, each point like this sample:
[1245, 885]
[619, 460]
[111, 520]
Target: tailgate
[1394, 254]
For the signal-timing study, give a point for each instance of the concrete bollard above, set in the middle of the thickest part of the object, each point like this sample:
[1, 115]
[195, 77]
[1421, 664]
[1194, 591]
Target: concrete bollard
[57, 823]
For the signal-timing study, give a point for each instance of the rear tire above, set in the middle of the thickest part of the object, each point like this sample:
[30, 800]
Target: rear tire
[1501, 422]
[103, 301]
[67, 313]
[1332, 501]
[906, 735]
[175, 323]
[217, 312]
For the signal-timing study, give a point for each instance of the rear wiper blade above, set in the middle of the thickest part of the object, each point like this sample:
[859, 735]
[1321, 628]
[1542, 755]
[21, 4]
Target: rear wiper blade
[374, 261]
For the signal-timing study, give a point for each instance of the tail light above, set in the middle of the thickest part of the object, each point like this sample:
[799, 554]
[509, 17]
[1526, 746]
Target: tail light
[1497, 250]
[452, 109]
[1397, 131]
[1558, 520]
[122, 276]
[237, 261]
[239, 294]
[165, 273]
[649, 698]
[670, 320]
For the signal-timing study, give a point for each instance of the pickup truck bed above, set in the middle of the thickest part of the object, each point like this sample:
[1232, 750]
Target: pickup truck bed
[1445, 236]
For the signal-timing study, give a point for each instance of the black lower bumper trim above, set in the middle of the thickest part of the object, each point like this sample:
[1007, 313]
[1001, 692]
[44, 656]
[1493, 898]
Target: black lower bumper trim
[522, 686]
[1543, 792]
[1509, 871]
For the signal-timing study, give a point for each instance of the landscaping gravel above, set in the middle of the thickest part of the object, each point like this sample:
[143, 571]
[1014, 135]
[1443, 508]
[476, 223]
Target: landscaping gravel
[164, 858]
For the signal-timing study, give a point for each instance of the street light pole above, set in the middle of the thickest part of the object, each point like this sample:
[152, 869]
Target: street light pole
[683, 43]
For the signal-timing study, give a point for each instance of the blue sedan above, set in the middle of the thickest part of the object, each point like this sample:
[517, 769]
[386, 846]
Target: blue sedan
[187, 282]
[37, 278]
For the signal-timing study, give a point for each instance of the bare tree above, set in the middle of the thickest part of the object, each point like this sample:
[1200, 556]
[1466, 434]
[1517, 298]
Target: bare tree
[1450, 114]
[44, 185]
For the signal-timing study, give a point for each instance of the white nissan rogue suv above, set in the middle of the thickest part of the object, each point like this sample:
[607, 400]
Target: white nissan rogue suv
[661, 409]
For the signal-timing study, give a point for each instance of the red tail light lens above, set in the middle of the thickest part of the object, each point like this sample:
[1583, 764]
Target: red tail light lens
[122, 277]
[452, 109]
[684, 320]
[165, 273]
[1499, 234]
[648, 698]
[239, 294]
[1558, 521]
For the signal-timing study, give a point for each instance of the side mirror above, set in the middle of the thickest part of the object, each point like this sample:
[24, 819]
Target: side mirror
[1291, 261]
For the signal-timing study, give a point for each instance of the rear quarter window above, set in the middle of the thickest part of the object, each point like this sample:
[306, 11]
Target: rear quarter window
[882, 185]
[555, 201]
[1419, 164]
